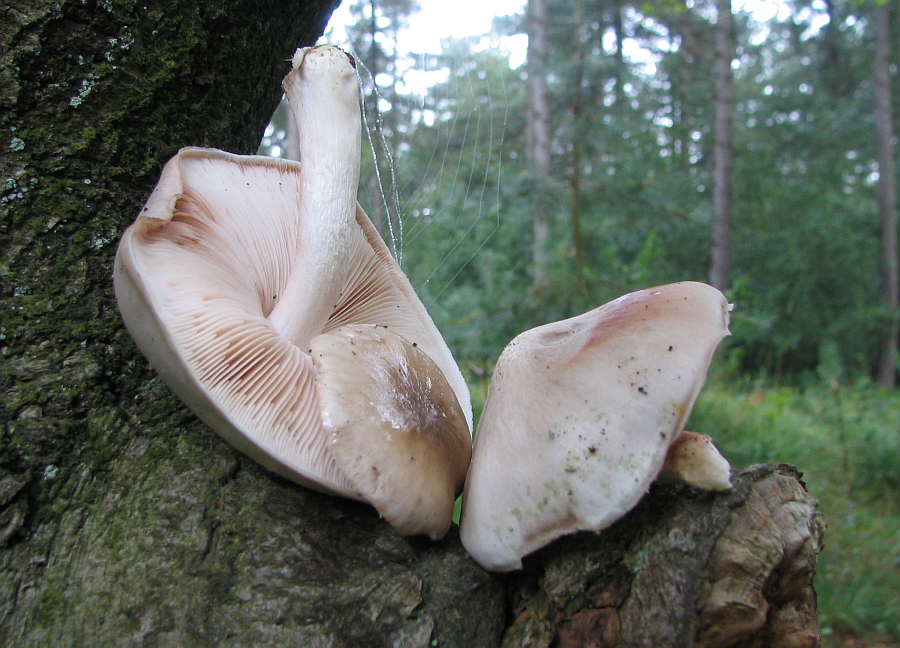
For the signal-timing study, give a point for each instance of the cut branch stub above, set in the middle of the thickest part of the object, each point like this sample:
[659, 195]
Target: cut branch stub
[683, 569]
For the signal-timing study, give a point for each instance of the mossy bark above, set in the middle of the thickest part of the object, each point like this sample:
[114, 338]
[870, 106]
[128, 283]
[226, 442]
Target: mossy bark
[123, 520]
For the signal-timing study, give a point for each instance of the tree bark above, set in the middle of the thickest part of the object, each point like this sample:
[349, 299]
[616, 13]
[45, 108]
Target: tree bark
[720, 267]
[887, 198]
[684, 569]
[123, 520]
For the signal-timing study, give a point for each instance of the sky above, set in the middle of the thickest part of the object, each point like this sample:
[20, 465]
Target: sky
[442, 18]
[439, 19]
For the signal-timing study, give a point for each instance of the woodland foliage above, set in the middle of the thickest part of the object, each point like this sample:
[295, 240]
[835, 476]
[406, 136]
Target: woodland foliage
[632, 96]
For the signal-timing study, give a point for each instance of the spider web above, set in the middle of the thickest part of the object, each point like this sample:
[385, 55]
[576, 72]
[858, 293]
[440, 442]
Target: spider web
[436, 140]
[446, 190]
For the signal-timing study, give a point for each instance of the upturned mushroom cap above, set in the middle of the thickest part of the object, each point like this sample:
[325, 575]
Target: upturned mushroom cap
[580, 415]
[397, 430]
[237, 262]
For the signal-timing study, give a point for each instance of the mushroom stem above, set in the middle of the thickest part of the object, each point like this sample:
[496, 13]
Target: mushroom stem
[324, 98]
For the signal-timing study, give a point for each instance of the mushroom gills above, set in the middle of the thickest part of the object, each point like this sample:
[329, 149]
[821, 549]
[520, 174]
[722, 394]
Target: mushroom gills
[580, 415]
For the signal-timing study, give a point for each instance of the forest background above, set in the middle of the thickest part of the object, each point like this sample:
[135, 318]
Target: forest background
[647, 143]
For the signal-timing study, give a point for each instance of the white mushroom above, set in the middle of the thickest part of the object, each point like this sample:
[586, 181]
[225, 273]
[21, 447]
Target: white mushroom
[397, 430]
[237, 262]
[692, 459]
[580, 415]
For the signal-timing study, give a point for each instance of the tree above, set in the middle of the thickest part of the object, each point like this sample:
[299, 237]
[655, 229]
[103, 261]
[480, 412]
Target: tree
[373, 40]
[887, 197]
[720, 266]
[578, 133]
[466, 201]
[584, 595]
[537, 132]
[804, 177]
[123, 520]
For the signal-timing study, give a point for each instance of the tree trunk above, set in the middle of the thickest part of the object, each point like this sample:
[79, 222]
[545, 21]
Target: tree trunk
[619, 55]
[720, 267]
[373, 57]
[578, 131]
[887, 197]
[292, 133]
[537, 136]
[125, 522]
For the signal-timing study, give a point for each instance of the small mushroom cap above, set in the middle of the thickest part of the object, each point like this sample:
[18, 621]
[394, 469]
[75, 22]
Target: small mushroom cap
[397, 430]
[579, 417]
[692, 459]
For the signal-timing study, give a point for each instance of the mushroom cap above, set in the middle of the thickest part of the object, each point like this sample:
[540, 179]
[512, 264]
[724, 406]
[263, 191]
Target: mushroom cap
[397, 430]
[580, 415]
[196, 277]
[692, 459]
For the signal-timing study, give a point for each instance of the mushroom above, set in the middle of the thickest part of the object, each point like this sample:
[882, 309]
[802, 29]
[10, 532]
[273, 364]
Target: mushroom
[692, 459]
[236, 263]
[397, 430]
[580, 416]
